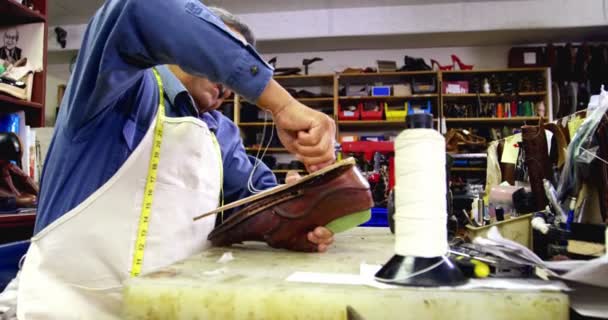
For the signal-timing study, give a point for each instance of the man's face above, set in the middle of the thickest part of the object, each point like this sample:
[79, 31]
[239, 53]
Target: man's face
[206, 94]
[10, 38]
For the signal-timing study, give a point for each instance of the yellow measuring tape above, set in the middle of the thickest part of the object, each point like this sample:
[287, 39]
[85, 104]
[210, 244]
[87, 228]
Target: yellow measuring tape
[146, 209]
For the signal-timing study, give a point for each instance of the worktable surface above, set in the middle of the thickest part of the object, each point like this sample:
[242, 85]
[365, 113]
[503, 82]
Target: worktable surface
[253, 286]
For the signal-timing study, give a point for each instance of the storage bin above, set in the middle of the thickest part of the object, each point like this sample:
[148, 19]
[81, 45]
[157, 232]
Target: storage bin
[420, 107]
[375, 138]
[379, 218]
[421, 86]
[371, 110]
[396, 113]
[381, 91]
[402, 90]
[350, 112]
[348, 138]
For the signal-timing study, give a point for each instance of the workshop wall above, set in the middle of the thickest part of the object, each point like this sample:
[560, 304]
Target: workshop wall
[57, 74]
[481, 57]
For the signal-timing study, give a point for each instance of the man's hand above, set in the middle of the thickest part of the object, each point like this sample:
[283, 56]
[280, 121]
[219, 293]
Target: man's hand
[307, 133]
[321, 236]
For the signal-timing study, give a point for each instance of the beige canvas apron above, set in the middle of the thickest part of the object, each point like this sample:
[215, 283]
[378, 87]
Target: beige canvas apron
[74, 268]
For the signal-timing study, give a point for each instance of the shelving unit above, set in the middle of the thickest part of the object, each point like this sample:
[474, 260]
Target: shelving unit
[492, 120]
[528, 86]
[336, 83]
[492, 95]
[20, 226]
[389, 98]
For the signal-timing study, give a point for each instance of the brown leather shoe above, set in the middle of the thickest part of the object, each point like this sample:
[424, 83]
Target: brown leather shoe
[537, 161]
[283, 219]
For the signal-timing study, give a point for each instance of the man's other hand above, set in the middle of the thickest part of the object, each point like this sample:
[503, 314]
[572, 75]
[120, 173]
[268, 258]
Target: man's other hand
[321, 236]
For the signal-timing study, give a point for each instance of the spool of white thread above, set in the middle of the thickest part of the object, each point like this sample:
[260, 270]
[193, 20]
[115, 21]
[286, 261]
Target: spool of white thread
[420, 194]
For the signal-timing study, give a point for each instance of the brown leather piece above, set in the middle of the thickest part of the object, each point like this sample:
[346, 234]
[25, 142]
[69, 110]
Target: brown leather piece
[284, 219]
[537, 161]
[459, 141]
[507, 170]
[562, 143]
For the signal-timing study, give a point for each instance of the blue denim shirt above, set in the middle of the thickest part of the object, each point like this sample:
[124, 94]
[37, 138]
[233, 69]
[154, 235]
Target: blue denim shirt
[112, 96]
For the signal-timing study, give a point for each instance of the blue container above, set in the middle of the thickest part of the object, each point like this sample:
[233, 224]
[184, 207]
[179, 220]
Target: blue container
[10, 254]
[381, 91]
[379, 218]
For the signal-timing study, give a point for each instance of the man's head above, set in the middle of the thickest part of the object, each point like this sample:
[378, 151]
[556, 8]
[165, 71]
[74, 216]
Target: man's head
[11, 36]
[206, 94]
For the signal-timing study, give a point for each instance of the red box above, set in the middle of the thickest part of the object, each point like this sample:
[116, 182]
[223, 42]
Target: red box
[456, 87]
[351, 112]
[372, 110]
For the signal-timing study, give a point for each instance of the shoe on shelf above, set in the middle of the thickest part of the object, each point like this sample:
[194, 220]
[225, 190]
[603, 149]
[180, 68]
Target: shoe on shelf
[462, 66]
[439, 66]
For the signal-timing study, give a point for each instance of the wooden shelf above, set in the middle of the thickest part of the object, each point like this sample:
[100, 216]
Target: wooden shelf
[322, 99]
[273, 150]
[13, 12]
[14, 102]
[318, 102]
[374, 123]
[386, 74]
[495, 70]
[306, 80]
[387, 78]
[492, 120]
[458, 169]
[390, 98]
[285, 171]
[255, 124]
[493, 95]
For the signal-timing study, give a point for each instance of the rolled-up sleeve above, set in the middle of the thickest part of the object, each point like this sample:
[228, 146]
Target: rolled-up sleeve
[186, 33]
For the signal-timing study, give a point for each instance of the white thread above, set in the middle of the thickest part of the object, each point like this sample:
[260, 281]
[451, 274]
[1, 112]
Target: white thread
[420, 194]
[250, 185]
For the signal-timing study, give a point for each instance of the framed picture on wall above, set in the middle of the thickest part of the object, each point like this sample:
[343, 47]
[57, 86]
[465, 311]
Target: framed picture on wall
[21, 55]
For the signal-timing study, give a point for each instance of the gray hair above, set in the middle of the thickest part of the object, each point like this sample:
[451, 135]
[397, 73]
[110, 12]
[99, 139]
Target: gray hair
[232, 21]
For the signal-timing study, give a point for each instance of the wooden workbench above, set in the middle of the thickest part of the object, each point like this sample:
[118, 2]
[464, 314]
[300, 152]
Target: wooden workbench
[253, 286]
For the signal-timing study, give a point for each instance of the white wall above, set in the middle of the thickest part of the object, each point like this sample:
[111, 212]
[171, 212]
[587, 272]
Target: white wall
[482, 57]
[57, 74]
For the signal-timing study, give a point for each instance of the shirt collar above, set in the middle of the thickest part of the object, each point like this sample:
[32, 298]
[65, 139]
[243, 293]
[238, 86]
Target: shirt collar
[176, 93]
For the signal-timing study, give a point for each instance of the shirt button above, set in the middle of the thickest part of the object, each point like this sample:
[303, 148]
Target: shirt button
[254, 70]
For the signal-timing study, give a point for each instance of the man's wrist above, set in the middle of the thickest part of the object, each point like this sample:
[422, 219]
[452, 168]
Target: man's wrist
[275, 98]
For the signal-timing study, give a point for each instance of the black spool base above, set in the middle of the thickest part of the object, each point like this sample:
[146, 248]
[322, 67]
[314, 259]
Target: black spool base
[420, 272]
